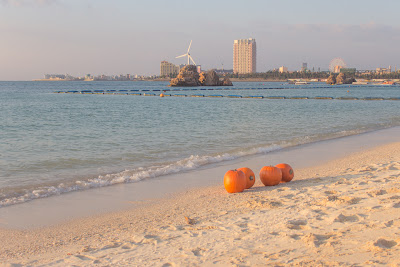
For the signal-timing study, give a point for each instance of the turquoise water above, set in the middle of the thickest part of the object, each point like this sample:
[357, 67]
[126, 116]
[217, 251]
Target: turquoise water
[56, 143]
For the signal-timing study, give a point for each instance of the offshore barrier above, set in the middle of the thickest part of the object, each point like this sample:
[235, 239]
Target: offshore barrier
[163, 93]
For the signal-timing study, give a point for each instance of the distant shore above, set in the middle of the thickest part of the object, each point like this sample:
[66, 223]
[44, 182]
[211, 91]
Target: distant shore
[255, 80]
[167, 80]
[232, 79]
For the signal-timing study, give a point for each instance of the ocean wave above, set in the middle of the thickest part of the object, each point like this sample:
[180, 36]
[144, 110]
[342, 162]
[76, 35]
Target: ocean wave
[11, 197]
[127, 176]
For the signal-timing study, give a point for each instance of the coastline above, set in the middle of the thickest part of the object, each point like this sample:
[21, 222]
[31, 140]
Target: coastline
[44, 212]
[332, 199]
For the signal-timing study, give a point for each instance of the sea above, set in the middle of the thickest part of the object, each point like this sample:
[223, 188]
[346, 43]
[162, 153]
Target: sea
[55, 139]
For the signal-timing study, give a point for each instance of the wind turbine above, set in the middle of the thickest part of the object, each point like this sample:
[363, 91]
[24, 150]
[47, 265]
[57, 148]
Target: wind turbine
[189, 57]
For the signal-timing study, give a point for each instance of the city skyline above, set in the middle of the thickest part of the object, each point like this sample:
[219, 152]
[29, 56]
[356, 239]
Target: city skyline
[79, 37]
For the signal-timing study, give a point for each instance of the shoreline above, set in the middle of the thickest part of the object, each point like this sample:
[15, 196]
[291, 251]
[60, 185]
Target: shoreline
[329, 201]
[96, 201]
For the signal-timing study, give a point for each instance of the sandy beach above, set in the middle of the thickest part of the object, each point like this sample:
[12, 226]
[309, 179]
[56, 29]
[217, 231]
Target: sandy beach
[342, 212]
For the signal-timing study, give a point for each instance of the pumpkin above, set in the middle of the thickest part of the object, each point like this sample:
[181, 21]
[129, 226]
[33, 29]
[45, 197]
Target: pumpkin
[250, 177]
[287, 172]
[234, 181]
[161, 95]
[270, 175]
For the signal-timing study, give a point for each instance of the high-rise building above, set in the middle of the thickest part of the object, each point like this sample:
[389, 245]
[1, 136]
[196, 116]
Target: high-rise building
[244, 56]
[304, 67]
[283, 69]
[168, 69]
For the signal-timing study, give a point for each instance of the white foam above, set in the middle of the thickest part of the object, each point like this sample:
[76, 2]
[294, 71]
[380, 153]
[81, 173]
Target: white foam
[129, 176]
[138, 174]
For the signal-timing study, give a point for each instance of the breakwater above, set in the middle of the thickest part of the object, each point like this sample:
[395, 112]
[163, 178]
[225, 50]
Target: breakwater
[185, 92]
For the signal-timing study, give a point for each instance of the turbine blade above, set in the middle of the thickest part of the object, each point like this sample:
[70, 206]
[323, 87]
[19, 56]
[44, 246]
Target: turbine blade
[189, 46]
[182, 56]
[192, 59]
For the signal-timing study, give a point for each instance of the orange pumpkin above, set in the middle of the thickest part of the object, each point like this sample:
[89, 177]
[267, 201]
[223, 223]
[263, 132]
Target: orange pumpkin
[250, 177]
[287, 172]
[234, 181]
[270, 175]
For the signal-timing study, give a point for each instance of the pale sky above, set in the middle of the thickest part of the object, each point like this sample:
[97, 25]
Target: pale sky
[78, 37]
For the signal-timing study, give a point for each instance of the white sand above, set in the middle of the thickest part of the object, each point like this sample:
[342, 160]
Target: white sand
[345, 212]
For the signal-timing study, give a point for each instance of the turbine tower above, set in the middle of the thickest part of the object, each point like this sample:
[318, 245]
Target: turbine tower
[189, 57]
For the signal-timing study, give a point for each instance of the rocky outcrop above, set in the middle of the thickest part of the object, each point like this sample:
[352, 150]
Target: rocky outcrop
[226, 82]
[331, 79]
[188, 76]
[340, 79]
[349, 80]
[209, 78]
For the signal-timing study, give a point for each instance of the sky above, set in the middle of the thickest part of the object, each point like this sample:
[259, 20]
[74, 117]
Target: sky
[80, 37]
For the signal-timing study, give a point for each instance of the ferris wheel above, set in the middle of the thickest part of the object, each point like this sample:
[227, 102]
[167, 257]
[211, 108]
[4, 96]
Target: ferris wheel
[336, 62]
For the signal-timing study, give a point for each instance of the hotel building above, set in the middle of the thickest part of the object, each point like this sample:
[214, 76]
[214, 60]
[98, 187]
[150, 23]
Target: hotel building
[283, 70]
[168, 69]
[244, 56]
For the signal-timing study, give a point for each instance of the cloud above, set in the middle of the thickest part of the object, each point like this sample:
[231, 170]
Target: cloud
[22, 3]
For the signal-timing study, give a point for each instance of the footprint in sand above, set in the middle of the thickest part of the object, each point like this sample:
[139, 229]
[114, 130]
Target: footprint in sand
[290, 196]
[334, 200]
[392, 167]
[86, 249]
[261, 204]
[127, 246]
[85, 257]
[295, 236]
[343, 218]
[344, 181]
[297, 224]
[351, 200]
[198, 251]
[394, 190]
[377, 193]
[367, 169]
[316, 240]
[140, 239]
[112, 245]
[383, 243]
[397, 205]
[389, 223]
[330, 192]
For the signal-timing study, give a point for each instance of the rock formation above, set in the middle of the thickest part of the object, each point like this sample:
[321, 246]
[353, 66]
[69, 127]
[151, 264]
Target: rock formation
[340, 79]
[209, 78]
[226, 82]
[331, 79]
[188, 76]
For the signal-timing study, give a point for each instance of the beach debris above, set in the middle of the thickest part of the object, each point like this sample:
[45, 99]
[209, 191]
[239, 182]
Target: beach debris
[189, 220]
[270, 175]
[287, 172]
[234, 181]
[250, 177]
